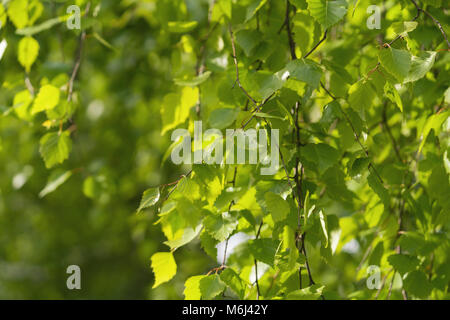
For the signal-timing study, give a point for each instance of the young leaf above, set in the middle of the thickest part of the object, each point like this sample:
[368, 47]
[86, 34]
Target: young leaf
[211, 286]
[402, 28]
[306, 71]
[264, 250]
[164, 267]
[321, 155]
[397, 62]
[361, 95]
[417, 284]
[311, 293]
[55, 148]
[420, 65]
[149, 198]
[47, 99]
[327, 12]
[379, 189]
[192, 288]
[220, 226]
[189, 234]
[233, 281]
[182, 26]
[28, 52]
[277, 206]
[403, 263]
[391, 92]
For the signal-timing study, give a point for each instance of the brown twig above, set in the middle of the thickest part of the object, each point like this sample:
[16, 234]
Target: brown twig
[317, 45]
[77, 64]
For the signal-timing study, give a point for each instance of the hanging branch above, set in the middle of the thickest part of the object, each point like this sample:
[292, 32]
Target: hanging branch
[287, 23]
[419, 10]
[298, 175]
[233, 182]
[317, 45]
[201, 57]
[258, 293]
[389, 132]
[77, 63]
[435, 21]
[238, 81]
[355, 133]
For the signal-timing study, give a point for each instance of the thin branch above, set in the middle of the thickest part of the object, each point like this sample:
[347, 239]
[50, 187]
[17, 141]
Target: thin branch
[317, 45]
[258, 292]
[238, 81]
[355, 133]
[233, 45]
[289, 31]
[436, 22]
[77, 64]
[257, 109]
[311, 281]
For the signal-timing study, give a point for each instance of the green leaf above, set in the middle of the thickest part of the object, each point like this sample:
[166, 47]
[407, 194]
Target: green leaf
[189, 234]
[305, 70]
[47, 99]
[361, 95]
[211, 286]
[182, 26]
[209, 244]
[56, 179]
[403, 263]
[28, 52]
[222, 118]
[321, 155]
[55, 148]
[233, 281]
[277, 206]
[192, 288]
[379, 189]
[220, 9]
[327, 12]
[220, 226]
[149, 198]
[433, 123]
[402, 28]
[176, 107]
[299, 4]
[253, 8]
[164, 267]
[311, 293]
[392, 94]
[420, 65]
[193, 81]
[2, 18]
[248, 40]
[266, 82]
[22, 101]
[417, 284]
[397, 62]
[264, 250]
[359, 165]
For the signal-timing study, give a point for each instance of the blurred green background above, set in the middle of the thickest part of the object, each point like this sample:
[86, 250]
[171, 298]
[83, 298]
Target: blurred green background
[90, 220]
